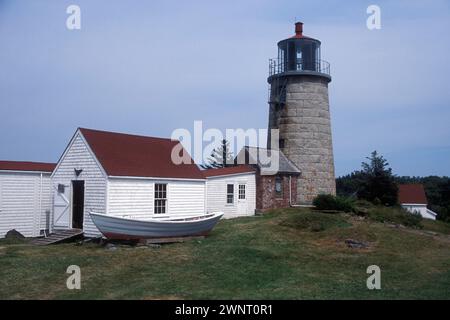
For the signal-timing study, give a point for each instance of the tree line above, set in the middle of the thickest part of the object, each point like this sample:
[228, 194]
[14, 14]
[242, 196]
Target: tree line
[376, 183]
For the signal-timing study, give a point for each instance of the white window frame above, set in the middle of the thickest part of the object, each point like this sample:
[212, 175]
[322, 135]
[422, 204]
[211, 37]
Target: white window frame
[228, 194]
[244, 193]
[155, 191]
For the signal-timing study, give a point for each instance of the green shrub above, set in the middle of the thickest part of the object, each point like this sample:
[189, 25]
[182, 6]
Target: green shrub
[413, 220]
[324, 202]
[396, 215]
[330, 202]
[344, 204]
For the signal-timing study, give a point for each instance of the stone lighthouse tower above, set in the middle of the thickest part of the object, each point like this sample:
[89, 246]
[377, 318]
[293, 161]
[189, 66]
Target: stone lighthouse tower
[300, 109]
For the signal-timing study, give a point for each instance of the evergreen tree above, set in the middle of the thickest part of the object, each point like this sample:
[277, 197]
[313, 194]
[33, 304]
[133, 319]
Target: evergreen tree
[377, 181]
[348, 185]
[437, 190]
[216, 160]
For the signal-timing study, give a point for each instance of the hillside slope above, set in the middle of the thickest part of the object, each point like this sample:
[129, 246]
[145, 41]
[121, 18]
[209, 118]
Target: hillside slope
[287, 254]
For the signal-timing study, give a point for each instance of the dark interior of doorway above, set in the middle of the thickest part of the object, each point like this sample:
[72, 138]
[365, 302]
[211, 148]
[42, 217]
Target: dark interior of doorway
[77, 204]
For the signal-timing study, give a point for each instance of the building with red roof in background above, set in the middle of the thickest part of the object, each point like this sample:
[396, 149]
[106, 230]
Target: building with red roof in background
[412, 197]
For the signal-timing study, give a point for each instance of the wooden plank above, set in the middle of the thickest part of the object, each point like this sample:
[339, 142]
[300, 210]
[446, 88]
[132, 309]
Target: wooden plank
[58, 236]
[171, 240]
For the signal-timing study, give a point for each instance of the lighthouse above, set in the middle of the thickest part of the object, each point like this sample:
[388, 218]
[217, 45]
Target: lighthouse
[299, 107]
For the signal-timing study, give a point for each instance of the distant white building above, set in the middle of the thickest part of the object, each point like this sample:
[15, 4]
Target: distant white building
[412, 197]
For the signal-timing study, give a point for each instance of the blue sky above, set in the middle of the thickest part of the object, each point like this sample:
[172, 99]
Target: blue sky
[149, 67]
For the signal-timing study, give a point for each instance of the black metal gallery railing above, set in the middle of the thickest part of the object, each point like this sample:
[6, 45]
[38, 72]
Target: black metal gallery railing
[277, 66]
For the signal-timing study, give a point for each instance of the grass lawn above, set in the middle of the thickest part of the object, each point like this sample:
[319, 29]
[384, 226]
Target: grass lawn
[287, 254]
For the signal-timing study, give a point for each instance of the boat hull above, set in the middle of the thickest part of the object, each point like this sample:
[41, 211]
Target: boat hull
[129, 229]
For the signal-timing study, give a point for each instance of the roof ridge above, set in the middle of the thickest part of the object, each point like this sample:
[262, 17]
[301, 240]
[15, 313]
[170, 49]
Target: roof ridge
[127, 134]
[223, 171]
[13, 165]
[27, 161]
[231, 166]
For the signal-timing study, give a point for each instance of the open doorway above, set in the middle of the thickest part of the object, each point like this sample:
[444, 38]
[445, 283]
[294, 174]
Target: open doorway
[77, 204]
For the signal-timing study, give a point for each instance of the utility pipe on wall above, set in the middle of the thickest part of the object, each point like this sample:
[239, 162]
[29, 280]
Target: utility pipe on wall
[290, 191]
[40, 207]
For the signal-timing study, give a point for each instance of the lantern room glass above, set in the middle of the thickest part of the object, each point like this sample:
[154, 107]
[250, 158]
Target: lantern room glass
[299, 55]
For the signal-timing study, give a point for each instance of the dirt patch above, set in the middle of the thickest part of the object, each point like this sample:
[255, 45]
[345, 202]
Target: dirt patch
[338, 243]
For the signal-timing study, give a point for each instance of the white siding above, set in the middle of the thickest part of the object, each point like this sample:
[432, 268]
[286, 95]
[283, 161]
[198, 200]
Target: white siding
[186, 197]
[130, 197]
[47, 201]
[217, 194]
[25, 201]
[135, 197]
[79, 156]
[419, 208]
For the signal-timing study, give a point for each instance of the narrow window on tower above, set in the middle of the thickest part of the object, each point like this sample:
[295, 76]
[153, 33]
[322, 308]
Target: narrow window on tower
[299, 58]
[281, 143]
[279, 187]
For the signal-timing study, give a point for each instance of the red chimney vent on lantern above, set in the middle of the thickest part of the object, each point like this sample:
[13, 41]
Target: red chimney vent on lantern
[299, 29]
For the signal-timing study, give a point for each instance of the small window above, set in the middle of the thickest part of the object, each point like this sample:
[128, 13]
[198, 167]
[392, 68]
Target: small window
[279, 186]
[160, 198]
[299, 59]
[241, 192]
[281, 143]
[61, 188]
[230, 193]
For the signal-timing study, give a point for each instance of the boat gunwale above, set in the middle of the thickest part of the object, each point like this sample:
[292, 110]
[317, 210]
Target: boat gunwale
[212, 216]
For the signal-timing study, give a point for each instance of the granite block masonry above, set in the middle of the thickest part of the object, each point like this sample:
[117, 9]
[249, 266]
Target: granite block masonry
[299, 107]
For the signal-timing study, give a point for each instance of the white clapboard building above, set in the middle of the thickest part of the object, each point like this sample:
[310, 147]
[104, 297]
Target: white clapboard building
[231, 190]
[120, 175]
[25, 197]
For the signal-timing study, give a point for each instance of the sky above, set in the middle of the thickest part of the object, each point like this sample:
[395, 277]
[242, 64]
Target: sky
[150, 67]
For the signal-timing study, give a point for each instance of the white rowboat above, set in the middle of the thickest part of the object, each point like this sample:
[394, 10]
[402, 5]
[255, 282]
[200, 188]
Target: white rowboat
[158, 226]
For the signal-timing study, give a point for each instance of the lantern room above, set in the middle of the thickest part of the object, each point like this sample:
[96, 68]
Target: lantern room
[299, 54]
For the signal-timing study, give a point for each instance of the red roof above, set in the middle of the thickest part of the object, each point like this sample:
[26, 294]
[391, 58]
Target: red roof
[228, 170]
[27, 166]
[411, 193]
[138, 156]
